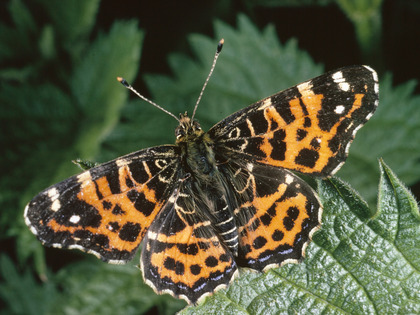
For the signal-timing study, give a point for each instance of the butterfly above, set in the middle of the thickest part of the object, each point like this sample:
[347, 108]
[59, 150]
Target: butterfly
[214, 201]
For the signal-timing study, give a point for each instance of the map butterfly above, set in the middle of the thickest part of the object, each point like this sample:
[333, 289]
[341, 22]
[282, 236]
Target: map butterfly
[216, 200]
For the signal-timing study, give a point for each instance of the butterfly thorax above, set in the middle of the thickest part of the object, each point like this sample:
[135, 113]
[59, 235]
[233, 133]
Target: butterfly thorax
[197, 153]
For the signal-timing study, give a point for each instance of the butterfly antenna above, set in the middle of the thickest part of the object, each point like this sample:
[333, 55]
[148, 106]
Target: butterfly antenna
[218, 50]
[128, 86]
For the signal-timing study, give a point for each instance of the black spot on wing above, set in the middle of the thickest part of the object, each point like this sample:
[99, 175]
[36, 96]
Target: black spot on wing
[130, 232]
[189, 249]
[277, 235]
[138, 172]
[211, 261]
[279, 145]
[284, 110]
[301, 134]
[172, 264]
[140, 202]
[259, 242]
[195, 269]
[107, 205]
[268, 216]
[117, 210]
[259, 123]
[307, 122]
[307, 157]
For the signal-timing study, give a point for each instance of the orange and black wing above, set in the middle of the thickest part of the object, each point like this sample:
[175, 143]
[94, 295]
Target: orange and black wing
[276, 217]
[107, 209]
[306, 128]
[182, 254]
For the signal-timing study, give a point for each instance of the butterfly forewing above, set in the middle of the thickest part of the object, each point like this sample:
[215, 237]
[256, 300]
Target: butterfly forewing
[107, 209]
[306, 128]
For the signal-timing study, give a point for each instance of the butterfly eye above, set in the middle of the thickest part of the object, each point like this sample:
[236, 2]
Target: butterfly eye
[179, 132]
[196, 125]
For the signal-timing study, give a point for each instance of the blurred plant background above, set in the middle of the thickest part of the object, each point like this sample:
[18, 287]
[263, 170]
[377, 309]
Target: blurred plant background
[60, 101]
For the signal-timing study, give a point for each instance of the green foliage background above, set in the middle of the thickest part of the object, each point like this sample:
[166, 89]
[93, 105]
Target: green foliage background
[60, 101]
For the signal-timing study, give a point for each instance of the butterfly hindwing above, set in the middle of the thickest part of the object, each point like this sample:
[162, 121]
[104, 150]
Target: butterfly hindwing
[306, 128]
[182, 255]
[277, 216]
[106, 210]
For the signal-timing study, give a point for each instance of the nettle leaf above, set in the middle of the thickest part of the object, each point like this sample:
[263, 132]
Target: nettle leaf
[358, 263]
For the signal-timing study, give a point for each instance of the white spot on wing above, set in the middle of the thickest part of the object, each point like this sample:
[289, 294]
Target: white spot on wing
[339, 109]
[266, 103]
[74, 219]
[121, 162]
[376, 88]
[305, 88]
[289, 179]
[56, 205]
[369, 115]
[53, 193]
[349, 126]
[151, 235]
[338, 77]
[83, 177]
[347, 148]
[356, 129]
[28, 222]
[344, 86]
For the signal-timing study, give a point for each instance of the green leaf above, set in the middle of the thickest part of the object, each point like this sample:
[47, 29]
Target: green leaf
[367, 20]
[22, 18]
[20, 291]
[358, 263]
[86, 287]
[93, 287]
[80, 14]
[16, 40]
[96, 92]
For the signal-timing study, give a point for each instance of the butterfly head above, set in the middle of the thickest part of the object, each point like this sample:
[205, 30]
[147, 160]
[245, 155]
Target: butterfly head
[187, 128]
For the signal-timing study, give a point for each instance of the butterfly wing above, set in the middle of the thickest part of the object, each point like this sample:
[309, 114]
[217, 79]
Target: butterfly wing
[277, 215]
[182, 255]
[107, 209]
[306, 128]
